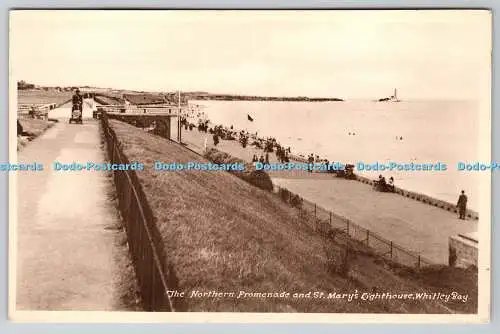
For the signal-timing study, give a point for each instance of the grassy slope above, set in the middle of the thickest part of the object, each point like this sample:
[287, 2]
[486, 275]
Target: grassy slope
[42, 97]
[101, 99]
[222, 234]
[32, 128]
[144, 98]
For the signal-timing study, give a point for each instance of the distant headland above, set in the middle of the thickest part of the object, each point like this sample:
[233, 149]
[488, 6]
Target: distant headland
[233, 97]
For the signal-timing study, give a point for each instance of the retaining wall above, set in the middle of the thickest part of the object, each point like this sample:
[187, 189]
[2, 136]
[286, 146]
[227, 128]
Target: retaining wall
[423, 198]
[463, 251]
[154, 272]
[409, 194]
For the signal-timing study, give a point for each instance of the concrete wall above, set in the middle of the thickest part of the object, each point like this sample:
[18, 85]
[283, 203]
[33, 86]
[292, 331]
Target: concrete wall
[409, 194]
[463, 251]
[424, 199]
[162, 123]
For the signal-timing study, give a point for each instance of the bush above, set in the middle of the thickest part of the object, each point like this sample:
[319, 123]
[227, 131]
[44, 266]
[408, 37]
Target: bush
[296, 201]
[285, 194]
[255, 177]
[338, 259]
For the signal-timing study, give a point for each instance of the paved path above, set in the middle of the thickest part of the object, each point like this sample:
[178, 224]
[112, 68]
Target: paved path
[69, 255]
[414, 225]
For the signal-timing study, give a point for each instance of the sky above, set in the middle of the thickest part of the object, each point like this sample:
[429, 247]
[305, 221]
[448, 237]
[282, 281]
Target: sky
[346, 54]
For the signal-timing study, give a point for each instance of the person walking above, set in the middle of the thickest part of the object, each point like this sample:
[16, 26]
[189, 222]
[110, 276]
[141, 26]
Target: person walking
[310, 160]
[77, 101]
[462, 205]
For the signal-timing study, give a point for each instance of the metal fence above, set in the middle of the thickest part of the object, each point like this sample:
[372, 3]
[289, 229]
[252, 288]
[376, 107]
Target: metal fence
[155, 278]
[325, 221]
[39, 111]
[160, 125]
[138, 109]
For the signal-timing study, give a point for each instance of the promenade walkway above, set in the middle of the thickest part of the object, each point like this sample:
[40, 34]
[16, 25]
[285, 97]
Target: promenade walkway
[414, 225]
[70, 250]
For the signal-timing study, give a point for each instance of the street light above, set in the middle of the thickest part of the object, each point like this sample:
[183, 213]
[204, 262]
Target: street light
[179, 117]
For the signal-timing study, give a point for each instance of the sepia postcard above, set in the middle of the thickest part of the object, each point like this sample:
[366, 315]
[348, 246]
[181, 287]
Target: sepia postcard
[250, 166]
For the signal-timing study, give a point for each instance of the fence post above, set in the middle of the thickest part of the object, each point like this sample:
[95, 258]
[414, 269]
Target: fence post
[153, 284]
[315, 219]
[367, 236]
[391, 250]
[330, 218]
[418, 263]
[348, 228]
[113, 152]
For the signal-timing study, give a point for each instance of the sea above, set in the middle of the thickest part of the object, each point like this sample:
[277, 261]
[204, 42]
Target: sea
[369, 132]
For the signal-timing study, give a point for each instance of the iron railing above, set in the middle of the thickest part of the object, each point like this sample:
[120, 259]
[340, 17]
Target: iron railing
[324, 221]
[156, 278]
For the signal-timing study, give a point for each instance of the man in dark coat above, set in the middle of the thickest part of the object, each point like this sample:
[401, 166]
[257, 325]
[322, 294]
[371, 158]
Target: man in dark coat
[78, 102]
[77, 98]
[216, 139]
[462, 205]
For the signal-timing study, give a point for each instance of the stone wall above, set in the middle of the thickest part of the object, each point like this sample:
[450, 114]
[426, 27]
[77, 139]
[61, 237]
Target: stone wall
[424, 199]
[463, 251]
[471, 214]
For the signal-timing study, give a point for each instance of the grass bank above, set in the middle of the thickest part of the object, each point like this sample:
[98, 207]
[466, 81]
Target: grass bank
[32, 128]
[222, 234]
[42, 97]
[250, 174]
[107, 99]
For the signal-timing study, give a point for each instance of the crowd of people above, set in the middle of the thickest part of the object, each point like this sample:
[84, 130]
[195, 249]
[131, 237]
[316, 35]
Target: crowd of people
[263, 159]
[267, 145]
[194, 117]
[270, 145]
[220, 132]
[382, 185]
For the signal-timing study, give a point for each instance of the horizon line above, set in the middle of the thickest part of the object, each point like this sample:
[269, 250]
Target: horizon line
[370, 98]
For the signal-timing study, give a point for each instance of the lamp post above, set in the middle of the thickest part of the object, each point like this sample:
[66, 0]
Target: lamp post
[179, 117]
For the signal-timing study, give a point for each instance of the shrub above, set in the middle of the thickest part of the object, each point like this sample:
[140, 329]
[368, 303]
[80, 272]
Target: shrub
[338, 258]
[285, 194]
[296, 201]
[255, 177]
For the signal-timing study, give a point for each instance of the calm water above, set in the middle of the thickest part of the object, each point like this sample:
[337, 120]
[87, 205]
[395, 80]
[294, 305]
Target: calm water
[432, 131]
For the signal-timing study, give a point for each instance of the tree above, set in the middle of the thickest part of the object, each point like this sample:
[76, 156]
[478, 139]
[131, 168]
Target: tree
[24, 85]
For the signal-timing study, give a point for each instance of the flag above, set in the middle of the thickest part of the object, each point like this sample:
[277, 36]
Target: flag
[250, 118]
